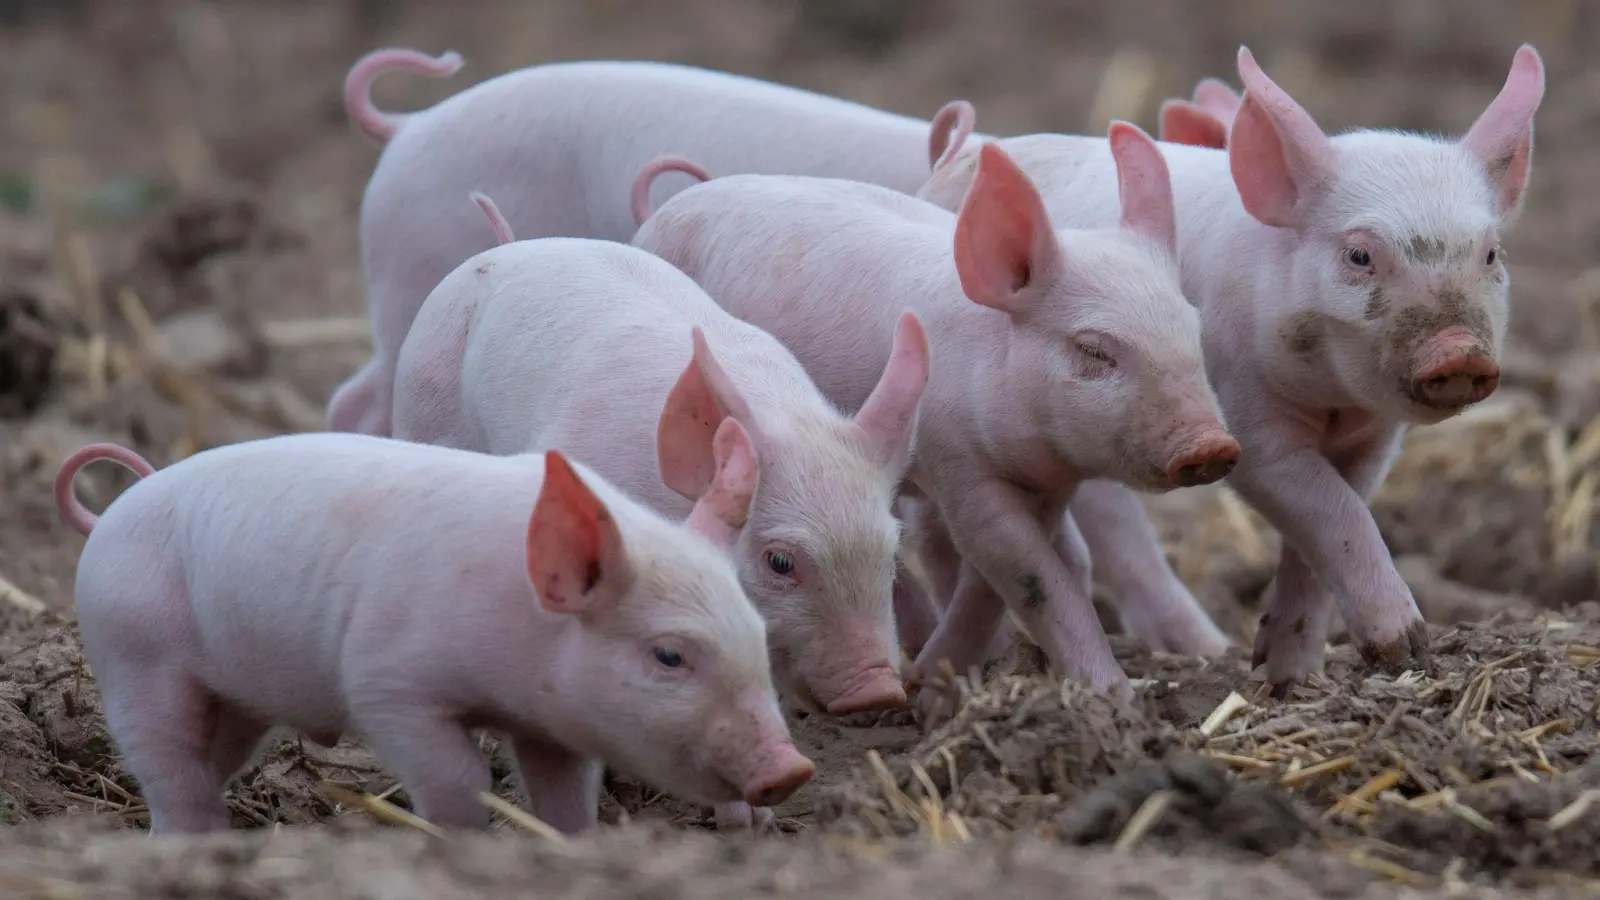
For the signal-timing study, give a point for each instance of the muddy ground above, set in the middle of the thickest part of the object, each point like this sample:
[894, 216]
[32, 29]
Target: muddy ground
[178, 192]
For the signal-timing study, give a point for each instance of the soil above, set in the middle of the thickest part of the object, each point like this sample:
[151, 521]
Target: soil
[178, 198]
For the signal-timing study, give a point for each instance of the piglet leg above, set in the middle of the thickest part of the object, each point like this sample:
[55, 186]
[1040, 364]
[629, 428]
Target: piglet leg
[743, 816]
[563, 788]
[914, 614]
[968, 627]
[1000, 531]
[436, 759]
[1153, 604]
[1293, 633]
[1325, 519]
[941, 564]
[163, 720]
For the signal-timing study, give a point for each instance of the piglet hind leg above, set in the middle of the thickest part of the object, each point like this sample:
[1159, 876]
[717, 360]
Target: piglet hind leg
[968, 627]
[1001, 533]
[1153, 604]
[562, 787]
[164, 722]
[435, 757]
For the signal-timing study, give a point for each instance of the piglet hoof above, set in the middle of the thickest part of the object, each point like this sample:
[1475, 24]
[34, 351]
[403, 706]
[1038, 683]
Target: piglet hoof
[1408, 651]
[734, 817]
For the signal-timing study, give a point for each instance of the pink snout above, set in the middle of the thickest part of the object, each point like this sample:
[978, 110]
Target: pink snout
[781, 774]
[1454, 371]
[1206, 460]
[870, 689]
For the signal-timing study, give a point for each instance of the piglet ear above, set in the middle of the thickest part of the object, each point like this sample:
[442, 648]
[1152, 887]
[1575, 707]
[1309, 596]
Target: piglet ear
[699, 401]
[888, 420]
[576, 560]
[1183, 122]
[1213, 95]
[1143, 184]
[1502, 138]
[723, 509]
[1279, 156]
[1004, 240]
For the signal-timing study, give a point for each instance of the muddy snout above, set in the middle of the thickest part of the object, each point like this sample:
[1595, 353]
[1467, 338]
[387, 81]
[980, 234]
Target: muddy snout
[778, 776]
[1454, 370]
[1204, 460]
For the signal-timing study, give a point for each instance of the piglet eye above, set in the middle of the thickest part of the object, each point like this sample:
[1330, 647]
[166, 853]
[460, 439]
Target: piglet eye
[1094, 352]
[1358, 257]
[1494, 256]
[781, 563]
[672, 659]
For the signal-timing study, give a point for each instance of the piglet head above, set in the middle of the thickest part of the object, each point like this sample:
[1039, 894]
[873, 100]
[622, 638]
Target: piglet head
[1105, 348]
[1395, 241]
[817, 550]
[669, 661]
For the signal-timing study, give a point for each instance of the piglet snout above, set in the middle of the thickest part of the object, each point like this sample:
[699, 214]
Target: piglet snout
[870, 689]
[1207, 459]
[782, 773]
[1454, 371]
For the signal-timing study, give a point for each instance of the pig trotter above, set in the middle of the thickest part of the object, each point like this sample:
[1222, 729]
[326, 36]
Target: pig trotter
[1408, 651]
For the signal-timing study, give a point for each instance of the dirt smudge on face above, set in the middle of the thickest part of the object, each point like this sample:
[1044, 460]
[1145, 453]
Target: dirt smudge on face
[1377, 304]
[1302, 334]
[1414, 325]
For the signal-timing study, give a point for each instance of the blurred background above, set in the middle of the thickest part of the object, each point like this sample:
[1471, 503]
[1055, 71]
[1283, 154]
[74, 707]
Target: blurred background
[179, 188]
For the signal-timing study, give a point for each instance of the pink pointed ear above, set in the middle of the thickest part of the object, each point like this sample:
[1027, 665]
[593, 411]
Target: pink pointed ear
[889, 417]
[723, 509]
[1213, 95]
[1279, 157]
[699, 401]
[1182, 122]
[1143, 184]
[576, 560]
[1004, 241]
[1502, 138]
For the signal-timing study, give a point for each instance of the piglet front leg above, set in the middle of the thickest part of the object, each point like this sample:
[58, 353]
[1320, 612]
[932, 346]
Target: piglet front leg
[1333, 542]
[1153, 604]
[1004, 534]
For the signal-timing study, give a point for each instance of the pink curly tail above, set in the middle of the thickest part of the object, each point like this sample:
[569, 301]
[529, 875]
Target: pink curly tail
[74, 512]
[497, 222]
[368, 119]
[942, 145]
[647, 177]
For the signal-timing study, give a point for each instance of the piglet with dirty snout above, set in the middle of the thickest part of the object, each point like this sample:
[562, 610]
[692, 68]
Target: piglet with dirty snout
[1063, 356]
[408, 594]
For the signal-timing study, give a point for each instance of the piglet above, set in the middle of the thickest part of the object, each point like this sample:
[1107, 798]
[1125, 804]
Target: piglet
[1349, 287]
[1063, 355]
[552, 142]
[407, 594]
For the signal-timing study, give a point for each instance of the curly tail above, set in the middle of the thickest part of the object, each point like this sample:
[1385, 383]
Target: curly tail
[942, 145]
[74, 512]
[368, 119]
[497, 222]
[647, 177]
